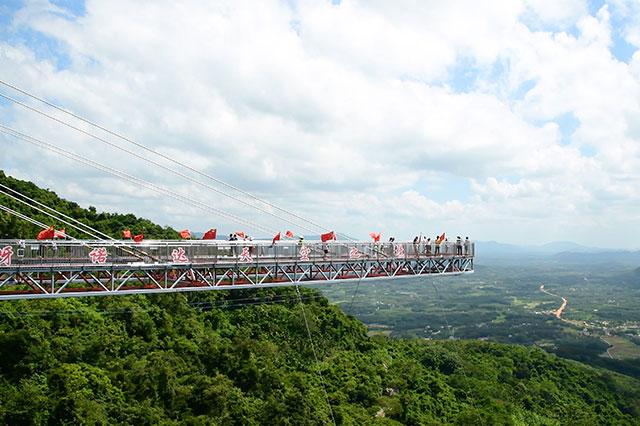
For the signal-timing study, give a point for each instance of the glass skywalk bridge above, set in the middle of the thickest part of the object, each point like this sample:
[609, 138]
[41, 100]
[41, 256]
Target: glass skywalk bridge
[32, 269]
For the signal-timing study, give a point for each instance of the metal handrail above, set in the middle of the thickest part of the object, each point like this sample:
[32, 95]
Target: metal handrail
[44, 252]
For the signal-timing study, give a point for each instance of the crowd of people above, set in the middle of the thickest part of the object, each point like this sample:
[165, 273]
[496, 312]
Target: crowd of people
[440, 245]
[422, 245]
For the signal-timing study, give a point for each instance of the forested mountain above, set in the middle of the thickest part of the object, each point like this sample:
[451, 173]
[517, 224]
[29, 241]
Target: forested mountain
[220, 358]
[111, 224]
[245, 357]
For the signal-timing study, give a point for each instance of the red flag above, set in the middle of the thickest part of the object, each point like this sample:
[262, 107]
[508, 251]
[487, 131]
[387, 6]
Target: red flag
[375, 237]
[328, 236]
[276, 238]
[289, 234]
[240, 234]
[442, 237]
[138, 238]
[47, 234]
[185, 234]
[210, 234]
[126, 234]
[61, 233]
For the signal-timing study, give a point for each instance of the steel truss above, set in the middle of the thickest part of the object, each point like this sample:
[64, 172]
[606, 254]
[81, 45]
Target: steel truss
[42, 281]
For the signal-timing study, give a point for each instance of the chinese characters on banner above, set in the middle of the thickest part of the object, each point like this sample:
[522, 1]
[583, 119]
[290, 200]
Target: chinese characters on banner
[245, 256]
[5, 255]
[98, 255]
[353, 253]
[179, 256]
[399, 251]
[304, 253]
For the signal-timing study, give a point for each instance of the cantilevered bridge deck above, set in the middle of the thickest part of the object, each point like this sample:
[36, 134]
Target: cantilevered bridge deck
[43, 269]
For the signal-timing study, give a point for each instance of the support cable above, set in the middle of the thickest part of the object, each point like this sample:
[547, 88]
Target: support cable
[315, 356]
[27, 218]
[50, 215]
[59, 213]
[458, 356]
[138, 181]
[354, 295]
[157, 164]
[173, 160]
[126, 248]
[133, 179]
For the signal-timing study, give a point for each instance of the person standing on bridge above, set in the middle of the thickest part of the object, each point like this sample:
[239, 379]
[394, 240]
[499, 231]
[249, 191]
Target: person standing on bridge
[437, 250]
[232, 247]
[459, 245]
[427, 248]
[391, 246]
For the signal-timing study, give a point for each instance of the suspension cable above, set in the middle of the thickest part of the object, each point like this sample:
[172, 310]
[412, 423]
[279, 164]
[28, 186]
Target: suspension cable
[59, 213]
[458, 356]
[118, 173]
[127, 249]
[49, 214]
[133, 179]
[157, 164]
[173, 160]
[27, 218]
[315, 356]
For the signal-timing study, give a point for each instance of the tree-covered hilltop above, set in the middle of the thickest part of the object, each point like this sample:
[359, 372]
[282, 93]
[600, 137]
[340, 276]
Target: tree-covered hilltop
[111, 224]
[244, 357]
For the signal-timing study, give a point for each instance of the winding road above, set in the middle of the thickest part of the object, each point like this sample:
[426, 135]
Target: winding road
[557, 313]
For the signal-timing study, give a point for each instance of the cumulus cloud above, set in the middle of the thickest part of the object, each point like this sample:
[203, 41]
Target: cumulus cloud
[346, 113]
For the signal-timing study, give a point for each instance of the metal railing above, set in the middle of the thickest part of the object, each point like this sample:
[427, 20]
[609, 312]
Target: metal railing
[126, 252]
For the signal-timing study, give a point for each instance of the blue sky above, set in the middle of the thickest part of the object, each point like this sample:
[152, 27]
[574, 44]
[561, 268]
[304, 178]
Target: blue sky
[507, 120]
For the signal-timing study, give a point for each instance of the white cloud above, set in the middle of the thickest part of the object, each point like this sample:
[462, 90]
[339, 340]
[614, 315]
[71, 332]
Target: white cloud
[560, 13]
[346, 113]
[628, 11]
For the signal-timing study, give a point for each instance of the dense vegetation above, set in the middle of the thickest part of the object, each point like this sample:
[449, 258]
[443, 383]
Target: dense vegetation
[245, 357]
[504, 304]
[183, 359]
[111, 224]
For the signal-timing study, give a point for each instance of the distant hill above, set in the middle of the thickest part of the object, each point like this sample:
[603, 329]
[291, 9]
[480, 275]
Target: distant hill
[561, 251]
[621, 256]
[494, 248]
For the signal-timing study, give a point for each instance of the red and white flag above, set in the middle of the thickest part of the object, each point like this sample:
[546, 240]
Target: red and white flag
[185, 234]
